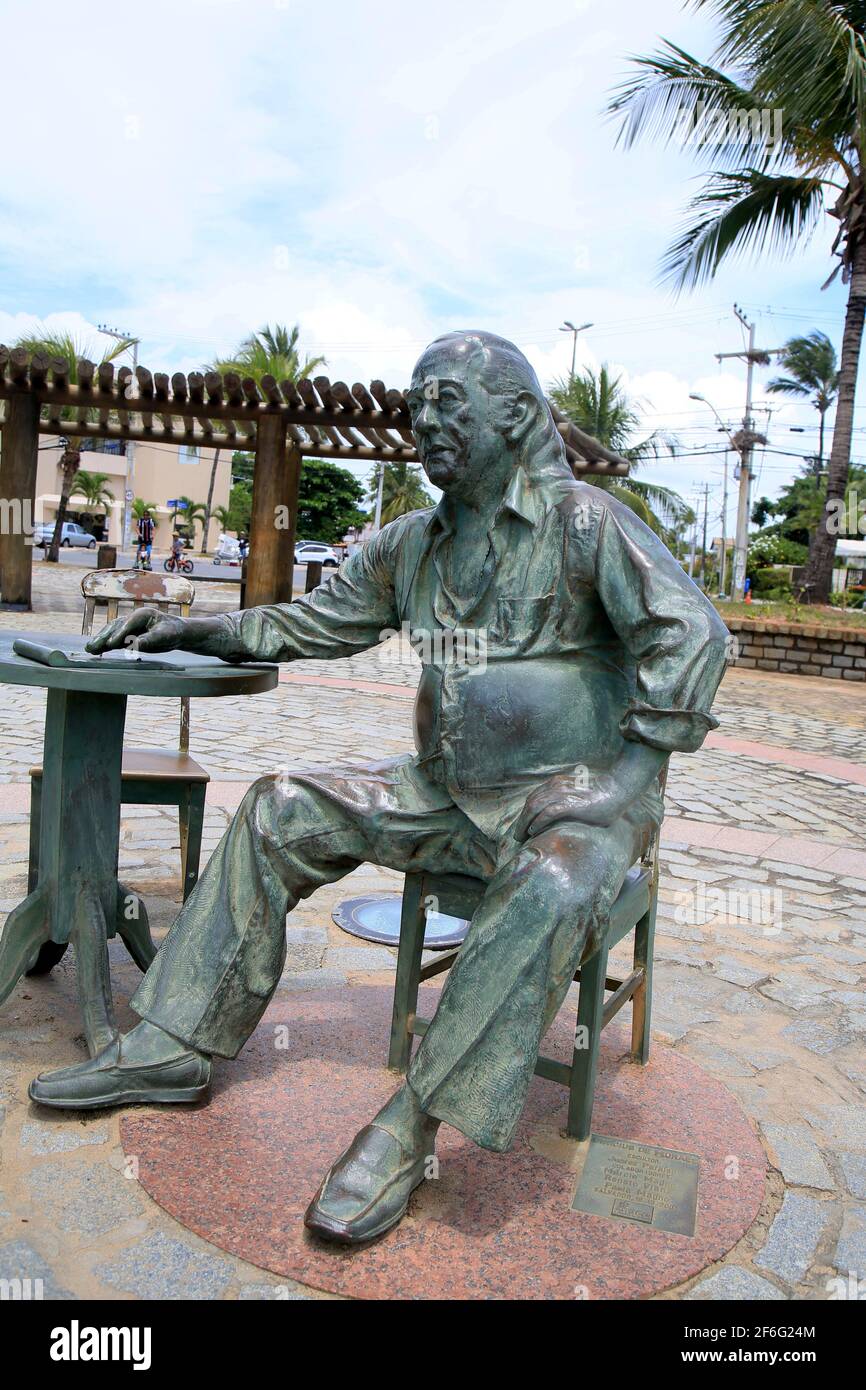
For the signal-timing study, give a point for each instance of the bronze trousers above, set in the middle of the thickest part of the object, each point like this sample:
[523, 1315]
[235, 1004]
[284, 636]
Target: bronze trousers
[222, 960]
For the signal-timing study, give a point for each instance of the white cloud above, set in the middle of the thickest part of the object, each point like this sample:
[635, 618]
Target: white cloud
[379, 176]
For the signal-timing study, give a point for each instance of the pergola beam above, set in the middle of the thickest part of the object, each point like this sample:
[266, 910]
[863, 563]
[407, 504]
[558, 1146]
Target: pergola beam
[279, 422]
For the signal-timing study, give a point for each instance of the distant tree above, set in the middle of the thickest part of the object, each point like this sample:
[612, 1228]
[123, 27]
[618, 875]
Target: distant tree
[328, 499]
[803, 62]
[71, 350]
[599, 405]
[93, 487]
[269, 352]
[140, 508]
[762, 510]
[811, 369]
[402, 491]
[800, 505]
[189, 513]
[240, 509]
[243, 466]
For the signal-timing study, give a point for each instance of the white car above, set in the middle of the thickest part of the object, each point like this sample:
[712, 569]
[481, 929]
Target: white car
[71, 534]
[305, 551]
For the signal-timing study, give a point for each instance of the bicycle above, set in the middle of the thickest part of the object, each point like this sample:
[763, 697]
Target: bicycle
[181, 564]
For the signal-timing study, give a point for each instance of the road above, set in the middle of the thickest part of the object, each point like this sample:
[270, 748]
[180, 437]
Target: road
[202, 569]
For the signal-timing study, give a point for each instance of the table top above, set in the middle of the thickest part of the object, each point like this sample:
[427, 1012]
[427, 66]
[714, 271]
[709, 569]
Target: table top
[191, 674]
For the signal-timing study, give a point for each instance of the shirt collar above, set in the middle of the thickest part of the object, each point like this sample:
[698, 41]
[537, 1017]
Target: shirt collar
[520, 498]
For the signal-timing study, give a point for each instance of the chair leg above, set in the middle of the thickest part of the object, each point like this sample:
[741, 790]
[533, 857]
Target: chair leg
[412, 925]
[191, 820]
[642, 999]
[585, 1061]
[35, 829]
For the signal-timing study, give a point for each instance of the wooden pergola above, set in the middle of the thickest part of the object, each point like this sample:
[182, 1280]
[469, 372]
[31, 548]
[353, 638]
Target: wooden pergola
[279, 422]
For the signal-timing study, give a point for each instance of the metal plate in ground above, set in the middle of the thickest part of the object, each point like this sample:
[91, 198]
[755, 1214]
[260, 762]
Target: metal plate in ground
[640, 1183]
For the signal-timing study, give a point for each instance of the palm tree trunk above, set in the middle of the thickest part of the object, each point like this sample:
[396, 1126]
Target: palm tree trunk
[208, 504]
[822, 547]
[71, 461]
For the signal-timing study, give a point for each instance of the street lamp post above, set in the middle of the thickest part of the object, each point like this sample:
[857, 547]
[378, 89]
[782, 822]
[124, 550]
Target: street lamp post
[568, 327]
[130, 444]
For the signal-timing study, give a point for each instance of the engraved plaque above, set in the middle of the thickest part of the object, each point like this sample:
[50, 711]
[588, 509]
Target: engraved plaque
[638, 1182]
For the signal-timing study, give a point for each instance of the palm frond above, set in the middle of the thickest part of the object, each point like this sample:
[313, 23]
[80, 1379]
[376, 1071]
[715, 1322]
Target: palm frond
[742, 213]
[674, 90]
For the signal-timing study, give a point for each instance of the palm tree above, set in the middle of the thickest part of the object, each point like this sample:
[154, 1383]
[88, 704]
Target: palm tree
[71, 350]
[140, 508]
[402, 491]
[805, 59]
[93, 487]
[190, 511]
[812, 369]
[597, 403]
[269, 352]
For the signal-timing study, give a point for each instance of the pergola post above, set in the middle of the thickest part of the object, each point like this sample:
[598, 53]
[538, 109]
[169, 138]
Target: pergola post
[270, 567]
[17, 499]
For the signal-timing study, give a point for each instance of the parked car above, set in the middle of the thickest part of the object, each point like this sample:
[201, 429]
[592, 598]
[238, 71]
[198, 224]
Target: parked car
[314, 550]
[71, 534]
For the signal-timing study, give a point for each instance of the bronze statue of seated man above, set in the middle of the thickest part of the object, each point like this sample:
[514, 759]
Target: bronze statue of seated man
[539, 747]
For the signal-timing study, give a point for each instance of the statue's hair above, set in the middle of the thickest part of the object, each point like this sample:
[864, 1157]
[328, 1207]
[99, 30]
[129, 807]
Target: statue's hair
[507, 372]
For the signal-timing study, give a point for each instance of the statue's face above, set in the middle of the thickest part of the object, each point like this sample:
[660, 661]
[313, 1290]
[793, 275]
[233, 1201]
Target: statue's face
[457, 421]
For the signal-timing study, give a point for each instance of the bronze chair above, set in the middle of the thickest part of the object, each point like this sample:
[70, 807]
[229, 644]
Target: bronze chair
[634, 910]
[150, 776]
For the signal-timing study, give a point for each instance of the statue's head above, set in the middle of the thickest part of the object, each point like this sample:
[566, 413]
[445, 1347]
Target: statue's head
[477, 410]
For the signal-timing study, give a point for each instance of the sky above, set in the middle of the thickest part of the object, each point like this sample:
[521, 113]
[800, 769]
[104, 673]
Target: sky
[380, 174]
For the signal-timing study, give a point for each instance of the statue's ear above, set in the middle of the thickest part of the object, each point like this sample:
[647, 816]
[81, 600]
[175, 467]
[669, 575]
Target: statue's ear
[524, 414]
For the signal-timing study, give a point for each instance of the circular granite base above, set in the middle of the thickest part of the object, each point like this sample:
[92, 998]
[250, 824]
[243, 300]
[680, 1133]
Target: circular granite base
[241, 1169]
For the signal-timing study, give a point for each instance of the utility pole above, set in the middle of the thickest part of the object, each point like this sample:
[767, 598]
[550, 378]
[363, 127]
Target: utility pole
[744, 441]
[129, 490]
[694, 544]
[724, 559]
[704, 541]
[377, 515]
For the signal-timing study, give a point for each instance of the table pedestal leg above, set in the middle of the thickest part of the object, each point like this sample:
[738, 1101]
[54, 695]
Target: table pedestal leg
[89, 937]
[133, 927]
[27, 928]
[79, 839]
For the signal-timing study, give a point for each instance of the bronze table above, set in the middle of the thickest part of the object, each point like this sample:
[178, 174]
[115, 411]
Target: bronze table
[78, 897]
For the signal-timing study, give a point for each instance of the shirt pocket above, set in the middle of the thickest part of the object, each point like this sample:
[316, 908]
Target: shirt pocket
[521, 622]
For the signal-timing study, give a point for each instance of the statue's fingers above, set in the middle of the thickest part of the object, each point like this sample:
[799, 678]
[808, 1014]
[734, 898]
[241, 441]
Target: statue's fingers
[114, 635]
[525, 819]
[553, 813]
[160, 638]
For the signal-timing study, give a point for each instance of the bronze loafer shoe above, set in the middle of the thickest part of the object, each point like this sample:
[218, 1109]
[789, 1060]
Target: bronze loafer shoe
[367, 1191]
[107, 1080]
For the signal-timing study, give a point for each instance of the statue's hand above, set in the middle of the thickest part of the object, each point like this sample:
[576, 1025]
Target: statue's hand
[147, 628]
[600, 802]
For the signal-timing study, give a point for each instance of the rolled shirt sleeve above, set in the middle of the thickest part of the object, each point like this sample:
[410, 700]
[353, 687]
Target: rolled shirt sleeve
[669, 628]
[352, 611]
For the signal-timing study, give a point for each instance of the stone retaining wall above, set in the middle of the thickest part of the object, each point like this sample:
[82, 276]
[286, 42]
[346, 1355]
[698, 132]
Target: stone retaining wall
[839, 653]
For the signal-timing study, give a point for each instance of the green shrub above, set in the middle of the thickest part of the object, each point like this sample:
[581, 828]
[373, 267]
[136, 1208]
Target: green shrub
[847, 599]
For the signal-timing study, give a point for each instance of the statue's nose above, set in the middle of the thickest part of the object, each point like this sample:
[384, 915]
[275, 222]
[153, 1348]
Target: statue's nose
[426, 419]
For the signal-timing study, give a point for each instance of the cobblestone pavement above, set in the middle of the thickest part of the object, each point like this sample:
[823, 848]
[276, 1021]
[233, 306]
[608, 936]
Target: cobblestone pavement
[760, 960]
